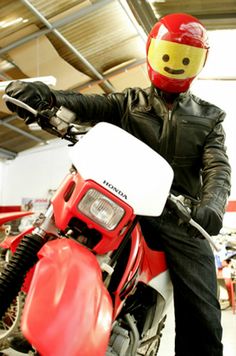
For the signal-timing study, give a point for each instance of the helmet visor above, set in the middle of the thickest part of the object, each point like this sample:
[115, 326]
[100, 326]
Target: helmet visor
[175, 60]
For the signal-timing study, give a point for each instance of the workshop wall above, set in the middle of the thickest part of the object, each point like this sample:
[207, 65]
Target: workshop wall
[32, 174]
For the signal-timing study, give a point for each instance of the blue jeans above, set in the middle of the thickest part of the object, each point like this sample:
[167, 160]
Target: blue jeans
[192, 268]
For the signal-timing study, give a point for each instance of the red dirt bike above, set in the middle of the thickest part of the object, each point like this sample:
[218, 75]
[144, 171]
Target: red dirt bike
[93, 285]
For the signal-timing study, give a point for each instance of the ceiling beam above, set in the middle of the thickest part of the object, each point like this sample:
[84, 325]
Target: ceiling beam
[218, 22]
[143, 14]
[133, 20]
[20, 131]
[6, 154]
[106, 85]
[89, 10]
[111, 75]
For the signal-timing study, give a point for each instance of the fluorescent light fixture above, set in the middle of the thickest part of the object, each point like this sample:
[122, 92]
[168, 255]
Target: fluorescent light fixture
[34, 127]
[5, 65]
[156, 1]
[7, 23]
[49, 80]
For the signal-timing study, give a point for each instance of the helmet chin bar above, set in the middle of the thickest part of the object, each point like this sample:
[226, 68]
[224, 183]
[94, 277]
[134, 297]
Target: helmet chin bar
[169, 85]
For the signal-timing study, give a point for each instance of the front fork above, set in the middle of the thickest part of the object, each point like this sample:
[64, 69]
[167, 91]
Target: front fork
[24, 258]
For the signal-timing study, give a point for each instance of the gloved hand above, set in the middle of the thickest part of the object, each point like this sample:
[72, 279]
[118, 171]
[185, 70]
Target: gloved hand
[208, 218]
[36, 94]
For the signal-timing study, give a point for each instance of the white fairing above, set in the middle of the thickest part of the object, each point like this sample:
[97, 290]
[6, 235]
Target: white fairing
[162, 283]
[125, 166]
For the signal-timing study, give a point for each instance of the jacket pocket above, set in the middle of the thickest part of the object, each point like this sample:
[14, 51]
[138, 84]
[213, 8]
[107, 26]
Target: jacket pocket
[190, 137]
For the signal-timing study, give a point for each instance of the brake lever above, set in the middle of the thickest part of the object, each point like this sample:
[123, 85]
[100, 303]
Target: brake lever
[21, 104]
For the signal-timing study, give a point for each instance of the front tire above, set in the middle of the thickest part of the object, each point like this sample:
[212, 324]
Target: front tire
[10, 322]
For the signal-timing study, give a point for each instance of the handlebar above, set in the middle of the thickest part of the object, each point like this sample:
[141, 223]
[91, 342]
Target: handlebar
[59, 122]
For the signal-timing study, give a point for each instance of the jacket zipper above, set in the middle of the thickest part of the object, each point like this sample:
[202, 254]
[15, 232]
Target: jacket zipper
[168, 135]
[172, 134]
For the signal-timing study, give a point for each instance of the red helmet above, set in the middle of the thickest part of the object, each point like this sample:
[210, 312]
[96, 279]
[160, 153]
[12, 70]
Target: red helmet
[177, 48]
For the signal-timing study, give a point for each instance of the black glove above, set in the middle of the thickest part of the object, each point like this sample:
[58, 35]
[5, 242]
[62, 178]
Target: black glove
[36, 94]
[208, 218]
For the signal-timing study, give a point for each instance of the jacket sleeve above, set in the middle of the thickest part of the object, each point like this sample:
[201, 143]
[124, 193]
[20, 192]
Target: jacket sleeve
[94, 108]
[216, 174]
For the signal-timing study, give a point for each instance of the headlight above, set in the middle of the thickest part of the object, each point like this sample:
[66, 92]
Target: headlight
[101, 209]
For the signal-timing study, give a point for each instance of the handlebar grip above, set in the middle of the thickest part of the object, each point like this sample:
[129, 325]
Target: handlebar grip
[183, 212]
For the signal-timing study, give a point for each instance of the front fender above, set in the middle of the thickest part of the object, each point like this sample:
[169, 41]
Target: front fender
[6, 217]
[68, 310]
[11, 242]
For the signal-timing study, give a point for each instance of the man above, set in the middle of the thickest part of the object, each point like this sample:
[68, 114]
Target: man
[188, 133]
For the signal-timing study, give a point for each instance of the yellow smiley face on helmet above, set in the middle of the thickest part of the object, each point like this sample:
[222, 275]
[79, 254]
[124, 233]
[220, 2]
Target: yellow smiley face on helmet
[175, 60]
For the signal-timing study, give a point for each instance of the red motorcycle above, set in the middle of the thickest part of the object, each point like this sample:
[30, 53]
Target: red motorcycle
[93, 285]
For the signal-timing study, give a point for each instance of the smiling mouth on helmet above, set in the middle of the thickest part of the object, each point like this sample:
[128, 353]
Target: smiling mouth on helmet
[173, 71]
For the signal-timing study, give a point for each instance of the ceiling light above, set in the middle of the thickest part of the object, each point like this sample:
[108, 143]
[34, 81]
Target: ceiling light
[4, 24]
[49, 80]
[34, 127]
[153, 1]
[5, 65]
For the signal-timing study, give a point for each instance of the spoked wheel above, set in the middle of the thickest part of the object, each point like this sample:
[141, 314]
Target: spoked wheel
[10, 323]
[151, 343]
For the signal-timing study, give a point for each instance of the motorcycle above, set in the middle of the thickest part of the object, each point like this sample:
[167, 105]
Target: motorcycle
[92, 284]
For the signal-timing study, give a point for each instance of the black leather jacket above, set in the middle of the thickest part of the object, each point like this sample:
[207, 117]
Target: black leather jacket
[190, 136]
